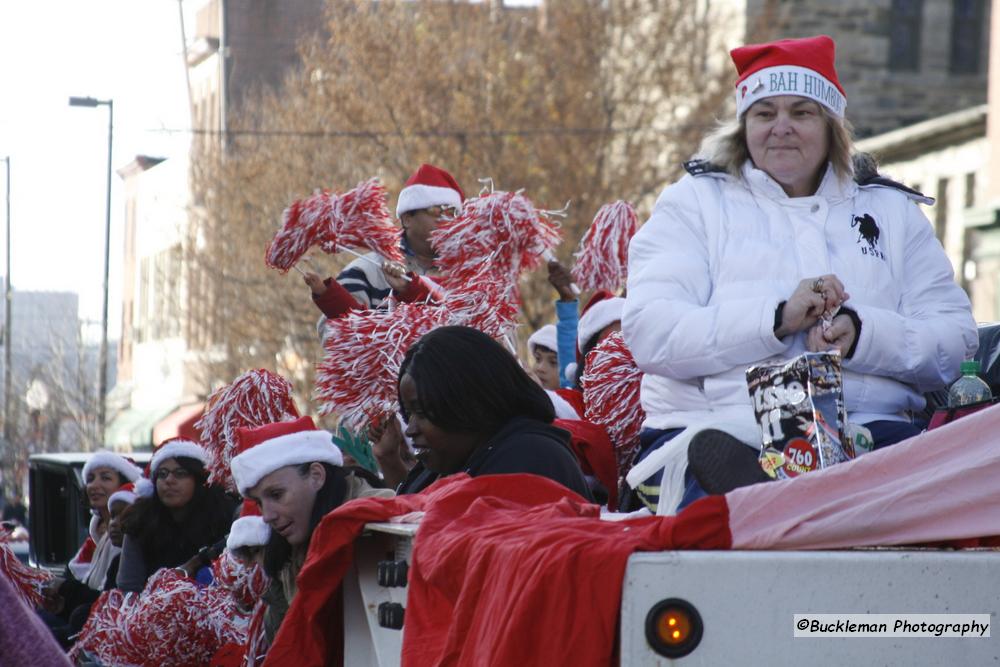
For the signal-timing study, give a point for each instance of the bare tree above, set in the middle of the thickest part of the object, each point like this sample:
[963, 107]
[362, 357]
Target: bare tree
[582, 101]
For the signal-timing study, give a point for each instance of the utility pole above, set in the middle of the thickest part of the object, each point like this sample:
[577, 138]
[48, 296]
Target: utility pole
[7, 338]
[103, 385]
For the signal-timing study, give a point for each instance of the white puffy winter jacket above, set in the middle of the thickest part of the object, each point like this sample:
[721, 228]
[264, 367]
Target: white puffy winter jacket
[709, 268]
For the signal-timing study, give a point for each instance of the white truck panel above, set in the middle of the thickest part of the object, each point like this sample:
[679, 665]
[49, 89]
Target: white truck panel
[747, 600]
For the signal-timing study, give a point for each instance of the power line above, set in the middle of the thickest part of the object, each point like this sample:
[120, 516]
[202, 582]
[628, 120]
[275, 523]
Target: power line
[372, 134]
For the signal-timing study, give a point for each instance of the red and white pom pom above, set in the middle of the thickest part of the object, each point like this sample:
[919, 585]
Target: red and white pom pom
[28, 581]
[489, 303]
[253, 399]
[362, 353]
[602, 259]
[302, 227]
[497, 232]
[359, 218]
[246, 583]
[173, 622]
[256, 638]
[611, 395]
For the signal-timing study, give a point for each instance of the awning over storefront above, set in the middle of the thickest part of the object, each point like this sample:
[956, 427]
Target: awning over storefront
[179, 423]
[132, 429]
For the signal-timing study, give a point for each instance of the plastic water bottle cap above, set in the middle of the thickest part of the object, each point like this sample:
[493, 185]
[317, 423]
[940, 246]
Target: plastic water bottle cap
[970, 367]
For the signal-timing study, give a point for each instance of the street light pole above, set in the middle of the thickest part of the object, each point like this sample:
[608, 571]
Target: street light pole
[103, 363]
[7, 339]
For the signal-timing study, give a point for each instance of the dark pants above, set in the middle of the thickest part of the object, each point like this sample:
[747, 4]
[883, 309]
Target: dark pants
[884, 433]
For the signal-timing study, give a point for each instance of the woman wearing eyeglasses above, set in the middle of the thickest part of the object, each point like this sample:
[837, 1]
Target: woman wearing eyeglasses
[183, 516]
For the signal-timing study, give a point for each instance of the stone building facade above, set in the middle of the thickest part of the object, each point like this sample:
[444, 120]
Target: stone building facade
[900, 61]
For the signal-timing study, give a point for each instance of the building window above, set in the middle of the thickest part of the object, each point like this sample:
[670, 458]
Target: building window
[904, 35]
[970, 189]
[941, 210]
[145, 306]
[966, 36]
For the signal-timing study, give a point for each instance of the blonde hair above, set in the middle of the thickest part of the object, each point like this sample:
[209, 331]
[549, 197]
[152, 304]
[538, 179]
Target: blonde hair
[726, 146]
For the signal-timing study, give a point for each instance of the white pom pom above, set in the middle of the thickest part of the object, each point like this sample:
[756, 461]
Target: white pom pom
[570, 372]
[144, 488]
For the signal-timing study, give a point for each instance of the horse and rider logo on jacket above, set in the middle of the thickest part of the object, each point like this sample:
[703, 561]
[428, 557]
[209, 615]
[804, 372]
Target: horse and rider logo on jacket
[868, 232]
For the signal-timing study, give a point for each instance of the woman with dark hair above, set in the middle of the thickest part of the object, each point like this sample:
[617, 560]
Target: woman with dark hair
[105, 475]
[295, 474]
[183, 517]
[470, 407]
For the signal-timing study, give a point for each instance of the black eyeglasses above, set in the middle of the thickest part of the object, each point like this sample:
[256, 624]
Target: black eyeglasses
[178, 473]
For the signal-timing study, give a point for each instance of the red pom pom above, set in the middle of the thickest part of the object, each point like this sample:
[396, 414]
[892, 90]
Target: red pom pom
[611, 395]
[253, 399]
[602, 260]
[498, 234]
[28, 581]
[489, 303]
[173, 622]
[359, 218]
[362, 353]
[247, 583]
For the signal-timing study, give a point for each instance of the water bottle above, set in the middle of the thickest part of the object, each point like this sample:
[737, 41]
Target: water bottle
[969, 388]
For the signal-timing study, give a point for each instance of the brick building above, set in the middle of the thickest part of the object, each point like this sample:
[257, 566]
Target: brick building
[900, 61]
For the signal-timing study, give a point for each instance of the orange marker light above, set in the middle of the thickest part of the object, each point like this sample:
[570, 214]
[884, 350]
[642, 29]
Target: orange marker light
[674, 625]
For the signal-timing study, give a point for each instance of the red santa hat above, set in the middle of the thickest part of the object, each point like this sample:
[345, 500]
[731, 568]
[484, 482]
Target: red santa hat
[802, 67]
[248, 531]
[429, 186]
[105, 459]
[264, 449]
[174, 448]
[81, 562]
[545, 337]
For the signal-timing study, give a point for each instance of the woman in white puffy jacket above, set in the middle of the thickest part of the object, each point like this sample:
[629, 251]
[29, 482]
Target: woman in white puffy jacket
[743, 259]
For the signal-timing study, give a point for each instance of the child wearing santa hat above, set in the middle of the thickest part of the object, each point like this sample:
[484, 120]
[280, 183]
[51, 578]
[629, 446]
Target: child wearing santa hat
[296, 475]
[81, 597]
[576, 336]
[427, 195]
[542, 346]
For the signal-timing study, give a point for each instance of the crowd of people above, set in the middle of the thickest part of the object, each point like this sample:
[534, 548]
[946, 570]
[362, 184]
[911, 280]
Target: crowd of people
[757, 254]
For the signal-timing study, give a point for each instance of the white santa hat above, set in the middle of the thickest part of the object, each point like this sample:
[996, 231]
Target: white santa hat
[429, 186]
[105, 459]
[248, 531]
[264, 449]
[174, 448]
[602, 310]
[545, 337]
[129, 493]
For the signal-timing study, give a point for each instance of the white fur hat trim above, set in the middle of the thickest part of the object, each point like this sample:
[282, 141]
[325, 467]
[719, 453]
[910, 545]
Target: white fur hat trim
[248, 531]
[105, 459]
[292, 449]
[597, 317]
[418, 196]
[546, 337]
[175, 448]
